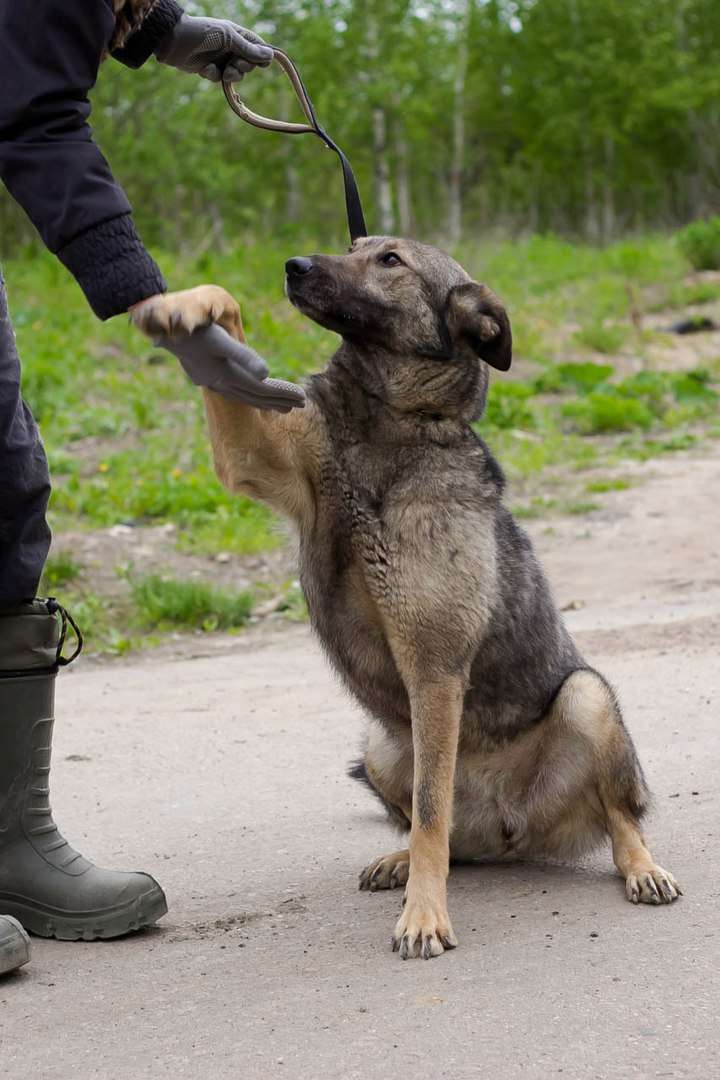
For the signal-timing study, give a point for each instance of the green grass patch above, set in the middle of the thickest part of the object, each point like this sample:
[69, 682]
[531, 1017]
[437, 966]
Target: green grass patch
[601, 337]
[60, 570]
[536, 507]
[581, 506]
[643, 400]
[294, 606]
[163, 602]
[580, 377]
[681, 295]
[509, 406]
[106, 627]
[599, 487]
[600, 413]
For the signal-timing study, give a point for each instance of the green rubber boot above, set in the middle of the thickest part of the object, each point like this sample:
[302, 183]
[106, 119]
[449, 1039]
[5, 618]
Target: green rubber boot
[46, 885]
[14, 945]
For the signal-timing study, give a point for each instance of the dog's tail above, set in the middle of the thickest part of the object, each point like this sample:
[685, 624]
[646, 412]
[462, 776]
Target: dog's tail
[357, 771]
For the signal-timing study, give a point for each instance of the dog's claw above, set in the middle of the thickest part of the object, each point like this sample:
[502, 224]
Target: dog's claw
[423, 934]
[655, 886]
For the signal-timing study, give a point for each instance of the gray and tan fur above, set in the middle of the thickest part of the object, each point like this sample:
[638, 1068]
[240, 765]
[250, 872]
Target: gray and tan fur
[489, 735]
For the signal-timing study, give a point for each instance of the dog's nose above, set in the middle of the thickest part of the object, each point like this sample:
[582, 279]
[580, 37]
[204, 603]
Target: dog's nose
[299, 265]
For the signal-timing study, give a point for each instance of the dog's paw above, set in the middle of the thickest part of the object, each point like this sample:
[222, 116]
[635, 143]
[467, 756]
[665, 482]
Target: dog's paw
[423, 931]
[387, 872]
[183, 312]
[653, 886]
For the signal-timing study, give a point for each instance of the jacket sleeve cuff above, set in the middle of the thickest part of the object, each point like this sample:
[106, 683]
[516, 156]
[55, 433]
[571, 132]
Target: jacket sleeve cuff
[112, 267]
[144, 41]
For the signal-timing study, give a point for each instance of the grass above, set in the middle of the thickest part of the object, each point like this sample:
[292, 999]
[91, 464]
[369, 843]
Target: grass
[680, 295]
[163, 603]
[125, 432]
[600, 487]
[580, 507]
[602, 338]
[60, 570]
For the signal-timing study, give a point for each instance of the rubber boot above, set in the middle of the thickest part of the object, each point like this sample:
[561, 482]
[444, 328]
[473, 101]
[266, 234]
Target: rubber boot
[45, 884]
[14, 945]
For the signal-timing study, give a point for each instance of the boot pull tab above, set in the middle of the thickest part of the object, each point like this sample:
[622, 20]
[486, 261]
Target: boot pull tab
[65, 617]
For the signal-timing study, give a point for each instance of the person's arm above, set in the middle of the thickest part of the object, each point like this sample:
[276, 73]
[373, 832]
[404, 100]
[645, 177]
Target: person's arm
[50, 52]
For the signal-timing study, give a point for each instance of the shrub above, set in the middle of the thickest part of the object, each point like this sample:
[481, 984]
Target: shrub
[700, 243]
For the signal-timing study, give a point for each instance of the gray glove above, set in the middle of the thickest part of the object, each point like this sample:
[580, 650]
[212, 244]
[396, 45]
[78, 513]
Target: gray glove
[212, 358]
[214, 48]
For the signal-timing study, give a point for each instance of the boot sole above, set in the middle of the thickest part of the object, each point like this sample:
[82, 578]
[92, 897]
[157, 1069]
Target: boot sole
[87, 925]
[14, 946]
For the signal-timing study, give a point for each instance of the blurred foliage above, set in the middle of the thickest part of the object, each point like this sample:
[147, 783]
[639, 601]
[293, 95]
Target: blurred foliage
[585, 117]
[700, 243]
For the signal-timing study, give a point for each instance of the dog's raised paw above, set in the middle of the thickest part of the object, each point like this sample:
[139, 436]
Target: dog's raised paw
[183, 312]
[387, 872]
[653, 886]
[422, 934]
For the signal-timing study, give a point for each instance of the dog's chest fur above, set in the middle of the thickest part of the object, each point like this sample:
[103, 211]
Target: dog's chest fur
[410, 539]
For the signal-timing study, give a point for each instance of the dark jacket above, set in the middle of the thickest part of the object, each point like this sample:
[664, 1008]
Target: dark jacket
[50, 52]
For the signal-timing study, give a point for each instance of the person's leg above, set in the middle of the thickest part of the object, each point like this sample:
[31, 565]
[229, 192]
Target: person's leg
[44, 884]
[24, 480]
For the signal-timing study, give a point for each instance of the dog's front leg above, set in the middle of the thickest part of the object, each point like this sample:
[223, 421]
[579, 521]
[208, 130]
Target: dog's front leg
[424, 927]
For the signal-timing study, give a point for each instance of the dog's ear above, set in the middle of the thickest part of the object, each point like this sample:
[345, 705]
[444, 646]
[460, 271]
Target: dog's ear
[476, 315]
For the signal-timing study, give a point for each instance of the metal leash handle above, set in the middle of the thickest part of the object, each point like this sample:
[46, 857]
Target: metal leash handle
[287, 127]
[353, 205]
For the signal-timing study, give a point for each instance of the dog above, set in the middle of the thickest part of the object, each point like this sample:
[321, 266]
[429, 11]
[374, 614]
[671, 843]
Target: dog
[489, 736]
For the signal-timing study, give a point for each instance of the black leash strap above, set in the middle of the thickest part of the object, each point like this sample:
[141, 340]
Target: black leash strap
[355, 216]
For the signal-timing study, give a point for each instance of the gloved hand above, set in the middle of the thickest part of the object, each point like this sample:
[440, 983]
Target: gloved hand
[212, 358]
[213, 48]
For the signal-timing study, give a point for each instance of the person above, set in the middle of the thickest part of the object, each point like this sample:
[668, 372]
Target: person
[50, 54]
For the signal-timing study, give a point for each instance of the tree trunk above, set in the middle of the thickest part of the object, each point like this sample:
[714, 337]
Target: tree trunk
[383, 189]
[293, 201]
[608, 225]
[458, 151]
[381, 165]
[404, 196]
[292, 193]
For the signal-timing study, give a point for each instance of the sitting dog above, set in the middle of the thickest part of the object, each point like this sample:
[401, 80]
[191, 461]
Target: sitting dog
[489, 735]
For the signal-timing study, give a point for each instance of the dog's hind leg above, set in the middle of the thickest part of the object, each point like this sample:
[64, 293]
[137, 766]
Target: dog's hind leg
[388, 872]
[387, 769]
[587, 705]
[645, 881]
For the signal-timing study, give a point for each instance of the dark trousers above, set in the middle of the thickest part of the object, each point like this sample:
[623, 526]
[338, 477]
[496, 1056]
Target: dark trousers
[24, 479]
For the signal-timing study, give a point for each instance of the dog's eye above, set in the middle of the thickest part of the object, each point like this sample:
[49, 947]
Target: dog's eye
[390, 258]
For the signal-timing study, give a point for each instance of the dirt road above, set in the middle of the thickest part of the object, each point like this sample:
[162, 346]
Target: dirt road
[272, 965]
